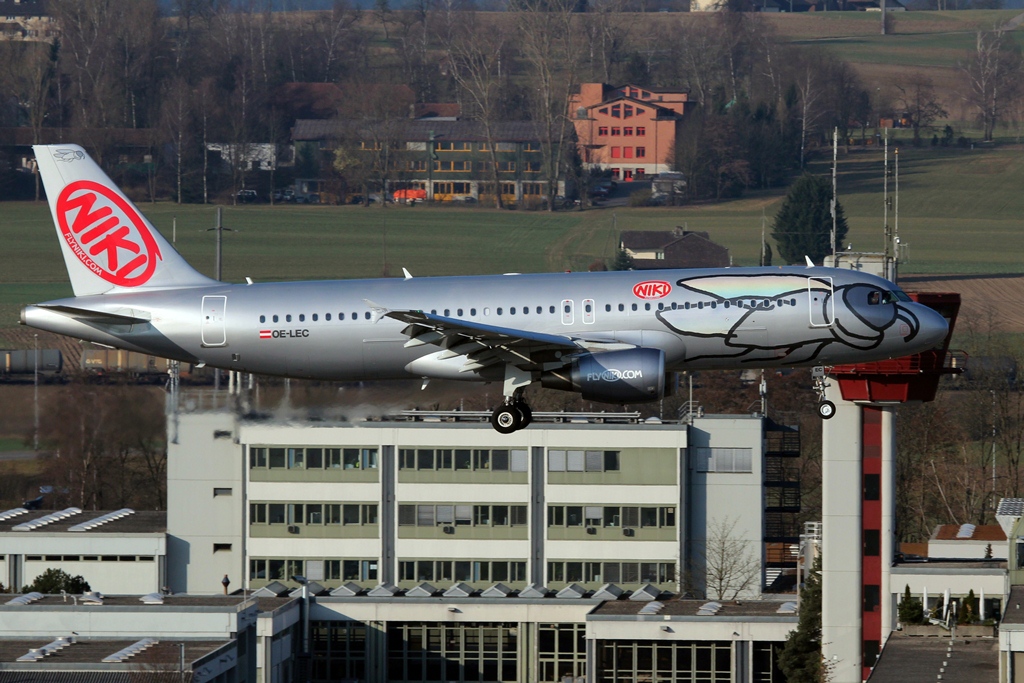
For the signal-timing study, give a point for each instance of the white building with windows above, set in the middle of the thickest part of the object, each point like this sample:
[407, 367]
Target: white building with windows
[404, 503]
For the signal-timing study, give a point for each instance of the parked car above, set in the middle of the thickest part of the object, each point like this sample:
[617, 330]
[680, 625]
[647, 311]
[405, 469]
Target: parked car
[246, 196]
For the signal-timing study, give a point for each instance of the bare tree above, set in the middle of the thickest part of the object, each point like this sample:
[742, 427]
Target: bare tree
[730, 564]
[995, 74]
[551, 42]
[27, 71]
[476, 65]
[918, 99]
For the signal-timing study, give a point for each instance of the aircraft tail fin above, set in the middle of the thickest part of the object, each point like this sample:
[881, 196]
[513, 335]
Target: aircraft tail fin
[108, 245]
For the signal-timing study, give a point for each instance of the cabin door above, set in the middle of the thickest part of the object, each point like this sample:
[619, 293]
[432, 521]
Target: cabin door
[822, 302]
[213, 329]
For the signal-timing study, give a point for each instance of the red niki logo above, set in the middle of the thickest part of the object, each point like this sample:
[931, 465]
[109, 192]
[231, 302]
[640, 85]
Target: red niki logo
[652, 289]
[107, 234]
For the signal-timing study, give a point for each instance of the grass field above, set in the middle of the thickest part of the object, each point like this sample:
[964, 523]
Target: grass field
[961, 211]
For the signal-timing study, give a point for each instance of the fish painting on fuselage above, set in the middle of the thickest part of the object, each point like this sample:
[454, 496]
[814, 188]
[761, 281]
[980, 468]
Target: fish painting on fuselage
[613, 337]
[759, 320]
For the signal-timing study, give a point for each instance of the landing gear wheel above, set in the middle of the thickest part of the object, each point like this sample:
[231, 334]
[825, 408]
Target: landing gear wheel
[826, 409]
[506, 419]
[526, 415]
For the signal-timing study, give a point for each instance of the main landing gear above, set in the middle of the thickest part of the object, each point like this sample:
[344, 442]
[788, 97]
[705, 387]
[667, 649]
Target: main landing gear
[826, 408]
[512, 415]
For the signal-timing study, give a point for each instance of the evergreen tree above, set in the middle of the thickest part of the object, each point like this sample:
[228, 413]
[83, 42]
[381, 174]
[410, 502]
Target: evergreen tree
[800, 659]
[803, 226]
[622, 261]
[53, 581]
[910, 609]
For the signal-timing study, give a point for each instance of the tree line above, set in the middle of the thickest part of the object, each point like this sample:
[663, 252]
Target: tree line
[212, 71]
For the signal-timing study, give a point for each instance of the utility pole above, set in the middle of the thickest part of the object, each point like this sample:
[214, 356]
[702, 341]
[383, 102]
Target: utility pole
[219, 229]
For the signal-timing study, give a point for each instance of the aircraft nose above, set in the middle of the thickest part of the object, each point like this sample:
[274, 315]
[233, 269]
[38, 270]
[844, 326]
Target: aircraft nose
[933, 327]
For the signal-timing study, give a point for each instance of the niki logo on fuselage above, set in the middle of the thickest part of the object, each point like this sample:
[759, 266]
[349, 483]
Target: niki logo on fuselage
[283, 334]
[736, 309]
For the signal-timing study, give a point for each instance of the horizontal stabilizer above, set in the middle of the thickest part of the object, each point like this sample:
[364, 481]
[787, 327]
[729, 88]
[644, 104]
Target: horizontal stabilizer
[98, 317]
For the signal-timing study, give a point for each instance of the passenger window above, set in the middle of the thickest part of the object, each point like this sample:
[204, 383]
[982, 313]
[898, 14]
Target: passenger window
[874, 298]
[511, 311]
[568, 309]
[526, 310]
[647, 307]
[634, 307]
[686, 305]
[714, 304]
[674, 305]
[327, 316]
[607, 308]
[661, 306]
[499, 310]
[539, 310]
[302, 317]
[341, 316]
[288, 318]
[551, 309]
[275, 318]
[487, 310]
[367, 315]
[472, 311]
[726, 304]
[622, 307]
[433, 311]
[355, 316]
[700, 305]
[459, 312]
[447, 312]
[263, 318]
[792, 302]
[315, 318]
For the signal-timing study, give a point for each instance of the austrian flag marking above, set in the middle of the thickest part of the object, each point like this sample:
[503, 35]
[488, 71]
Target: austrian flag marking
[652, 289]
[265, 334]
[107, 234]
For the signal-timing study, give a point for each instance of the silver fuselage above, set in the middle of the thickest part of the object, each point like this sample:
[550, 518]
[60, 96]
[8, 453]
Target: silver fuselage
[705, 319]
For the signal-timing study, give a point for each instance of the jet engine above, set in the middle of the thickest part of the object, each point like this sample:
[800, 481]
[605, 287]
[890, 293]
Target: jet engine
[629, 376]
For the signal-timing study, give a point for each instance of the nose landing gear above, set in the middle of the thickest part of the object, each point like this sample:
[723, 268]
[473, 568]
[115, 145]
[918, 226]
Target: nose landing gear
[826, 408]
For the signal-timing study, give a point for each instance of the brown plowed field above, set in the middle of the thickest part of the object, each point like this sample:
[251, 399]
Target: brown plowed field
[987, 301]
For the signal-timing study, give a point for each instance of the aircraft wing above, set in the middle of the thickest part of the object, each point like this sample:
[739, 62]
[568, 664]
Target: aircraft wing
[486, 345]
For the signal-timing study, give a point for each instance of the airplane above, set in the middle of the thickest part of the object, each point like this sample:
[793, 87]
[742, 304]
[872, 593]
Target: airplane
[613, 337]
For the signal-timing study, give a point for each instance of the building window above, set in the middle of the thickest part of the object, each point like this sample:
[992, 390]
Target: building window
[531, 167]
[339, 650]
[872, 487]
[612, 516]
[313, 514]
[872, 543]
[629, 573]
[462, 515]
[452, 652]
[507, 166]
[629, 660]
[627, 131]
[872, 598]
[641, 152]
[221, 547]
[312, 458]
[640, 130]
[466, 459]
[616, 152]
[602, 130]
[721, 459]
[582, 461]
[616, 131]
[562, 651]
[627, 152]
[445, 146]
[616, 112]
[417, 165]
[627, 111]
[531, 146]
[470, 571]
[221, 492]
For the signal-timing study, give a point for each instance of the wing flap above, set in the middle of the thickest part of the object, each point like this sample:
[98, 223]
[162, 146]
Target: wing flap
[121, 317]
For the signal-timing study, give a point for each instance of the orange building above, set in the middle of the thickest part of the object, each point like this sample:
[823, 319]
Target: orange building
[630, 130]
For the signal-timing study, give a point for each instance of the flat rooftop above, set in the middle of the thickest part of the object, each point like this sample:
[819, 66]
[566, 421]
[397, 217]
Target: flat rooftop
[138, 522]
[676, 607]
[917, 659]
[93, 651]
[226, 602]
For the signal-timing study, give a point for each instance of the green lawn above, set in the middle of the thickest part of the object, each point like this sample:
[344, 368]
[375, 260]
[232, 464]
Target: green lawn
[961, 210]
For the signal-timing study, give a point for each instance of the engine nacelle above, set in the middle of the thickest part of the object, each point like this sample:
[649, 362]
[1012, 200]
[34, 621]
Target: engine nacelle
[630, 376]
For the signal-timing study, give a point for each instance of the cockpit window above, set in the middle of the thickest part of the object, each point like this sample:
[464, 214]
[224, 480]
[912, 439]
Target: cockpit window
[891, 297]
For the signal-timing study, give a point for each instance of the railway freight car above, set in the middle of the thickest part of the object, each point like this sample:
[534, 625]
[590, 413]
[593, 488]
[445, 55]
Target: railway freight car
[20, 365]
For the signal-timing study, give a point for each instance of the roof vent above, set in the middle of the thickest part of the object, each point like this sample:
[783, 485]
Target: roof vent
[459, 590]
[573, 591]
[709, 609]
[652, 607]
[92, 598]
[102, 519]
[46, 519]
[966, 531]
[348, 590]
[609, 591]
[152, 599]
[10, 514]
[788, 607]
[646, 592]
[498, 590]
[37, 653]
[26, 599]
[130, 651]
